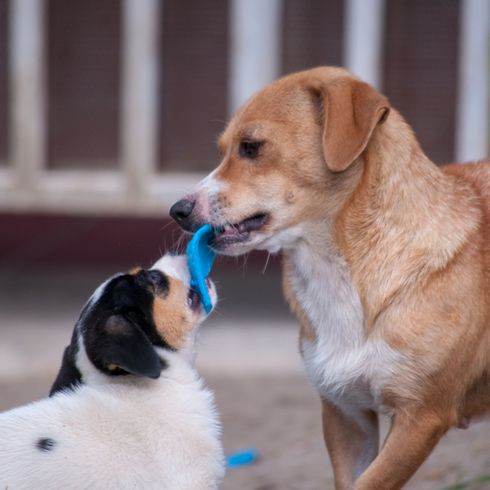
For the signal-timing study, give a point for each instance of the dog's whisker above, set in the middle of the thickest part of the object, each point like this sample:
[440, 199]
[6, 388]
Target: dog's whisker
[245, 262]
[266, 263]
[166, 225]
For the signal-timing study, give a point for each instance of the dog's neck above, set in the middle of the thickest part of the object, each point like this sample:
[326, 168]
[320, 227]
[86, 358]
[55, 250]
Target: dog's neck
[178, 369]
[402, 218]
[405, 220]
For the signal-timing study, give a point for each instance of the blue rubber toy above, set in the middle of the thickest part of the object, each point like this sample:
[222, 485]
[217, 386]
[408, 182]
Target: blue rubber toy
[241, 458]
[200, 259]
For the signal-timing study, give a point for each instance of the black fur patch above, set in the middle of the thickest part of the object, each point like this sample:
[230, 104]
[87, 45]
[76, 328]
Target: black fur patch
[118, 330]
[45, 444]
[122, 348]
[69, 376]
[130, 296]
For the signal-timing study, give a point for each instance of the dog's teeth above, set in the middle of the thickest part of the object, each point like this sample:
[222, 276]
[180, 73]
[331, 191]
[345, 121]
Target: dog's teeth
[241, 228]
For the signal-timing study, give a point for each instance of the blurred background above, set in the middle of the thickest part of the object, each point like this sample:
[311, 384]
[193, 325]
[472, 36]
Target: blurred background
[109, 112]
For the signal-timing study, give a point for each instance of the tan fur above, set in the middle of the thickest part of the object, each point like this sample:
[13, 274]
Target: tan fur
[347, 124]
[345, 445]
[172, 321]
[341, 176]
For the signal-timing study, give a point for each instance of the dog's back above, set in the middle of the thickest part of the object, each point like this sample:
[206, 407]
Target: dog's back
[162, 435]
[478, 175]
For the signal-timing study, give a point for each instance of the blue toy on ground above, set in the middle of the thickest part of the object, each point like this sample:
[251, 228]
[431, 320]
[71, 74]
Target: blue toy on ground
[200, 259]
[241, 458]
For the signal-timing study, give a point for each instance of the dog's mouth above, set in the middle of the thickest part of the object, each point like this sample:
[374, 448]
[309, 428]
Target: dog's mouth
[193, 298]
[238, 232]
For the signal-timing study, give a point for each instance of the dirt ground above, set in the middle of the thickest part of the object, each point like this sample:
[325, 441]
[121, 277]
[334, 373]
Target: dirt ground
[280, 418]
[248, 356]
[259, 414]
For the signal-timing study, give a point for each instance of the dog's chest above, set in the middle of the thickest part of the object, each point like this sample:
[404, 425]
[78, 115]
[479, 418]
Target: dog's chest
[342, 364]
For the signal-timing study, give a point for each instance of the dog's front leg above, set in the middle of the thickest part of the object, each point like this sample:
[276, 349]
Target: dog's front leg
[410, 441]
[352, 442]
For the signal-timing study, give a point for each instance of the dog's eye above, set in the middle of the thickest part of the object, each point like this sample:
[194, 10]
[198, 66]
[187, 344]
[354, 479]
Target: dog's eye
[249, 149]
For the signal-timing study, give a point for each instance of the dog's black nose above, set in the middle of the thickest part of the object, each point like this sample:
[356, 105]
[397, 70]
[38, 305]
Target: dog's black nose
[181, 212]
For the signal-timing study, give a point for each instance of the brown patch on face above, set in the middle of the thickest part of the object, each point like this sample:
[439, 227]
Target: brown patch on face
[173, 320]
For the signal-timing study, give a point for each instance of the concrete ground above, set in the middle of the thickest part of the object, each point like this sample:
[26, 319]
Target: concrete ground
[248, 356]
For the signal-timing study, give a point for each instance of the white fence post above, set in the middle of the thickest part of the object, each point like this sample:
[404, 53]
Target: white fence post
[139, 93]
[255, 47]
[27, 91]
[363, 39]
[473, 107]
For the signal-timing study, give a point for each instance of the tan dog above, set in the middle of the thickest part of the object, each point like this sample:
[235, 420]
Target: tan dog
[386, 263]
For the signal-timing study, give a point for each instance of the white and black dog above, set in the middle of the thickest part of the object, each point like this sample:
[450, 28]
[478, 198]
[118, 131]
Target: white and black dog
[127, 409]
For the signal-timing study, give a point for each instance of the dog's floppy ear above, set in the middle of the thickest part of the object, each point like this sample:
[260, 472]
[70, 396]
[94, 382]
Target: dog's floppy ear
[351, 111]
[122, 345]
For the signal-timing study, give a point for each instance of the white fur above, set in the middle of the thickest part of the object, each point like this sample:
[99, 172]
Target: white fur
[345, 367]
[175, 266]
[128, 433]
[275, 241]
[207, 190]
[211, 185]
